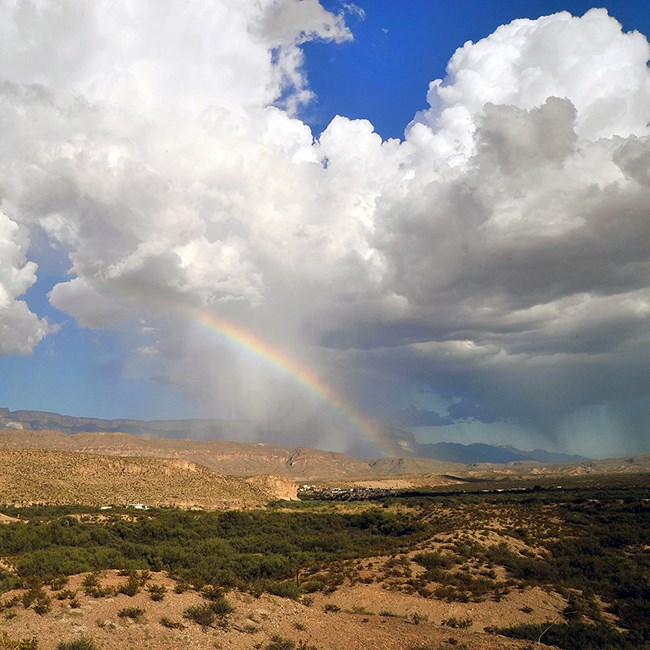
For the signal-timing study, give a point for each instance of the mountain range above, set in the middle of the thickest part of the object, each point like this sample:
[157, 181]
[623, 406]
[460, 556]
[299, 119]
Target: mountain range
[397, 443]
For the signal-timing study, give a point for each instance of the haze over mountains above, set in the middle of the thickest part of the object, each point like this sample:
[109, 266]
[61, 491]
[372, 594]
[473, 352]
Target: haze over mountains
[396, 442]
[50, 458]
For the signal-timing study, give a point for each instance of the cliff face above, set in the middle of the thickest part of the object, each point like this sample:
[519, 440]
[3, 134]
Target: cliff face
[281, 487]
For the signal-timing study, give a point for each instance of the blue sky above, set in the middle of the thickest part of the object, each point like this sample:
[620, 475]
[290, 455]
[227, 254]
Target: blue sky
[157, 178]
[399, 48]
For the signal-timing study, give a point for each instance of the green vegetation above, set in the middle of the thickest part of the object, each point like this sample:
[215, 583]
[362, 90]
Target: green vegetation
[251, 550]
[587, 542]
[577, 635]
[165, 621]
[7, 643]
[83, 643]
[280, 643]
[134, 613]
[210, 614]
[157, 592]
[458, 623]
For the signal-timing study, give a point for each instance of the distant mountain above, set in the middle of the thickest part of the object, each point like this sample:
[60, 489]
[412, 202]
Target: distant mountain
[395, 442]
[404, 443]
[483, 453]
[198, 428]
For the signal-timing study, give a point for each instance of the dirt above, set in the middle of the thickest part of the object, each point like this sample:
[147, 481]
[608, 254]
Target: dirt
[6, 519]
[370, 618]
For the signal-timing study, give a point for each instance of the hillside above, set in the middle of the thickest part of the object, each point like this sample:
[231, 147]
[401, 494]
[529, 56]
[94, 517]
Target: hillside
[57, 477]
[238, 459]
[485, 570]
[231, 458]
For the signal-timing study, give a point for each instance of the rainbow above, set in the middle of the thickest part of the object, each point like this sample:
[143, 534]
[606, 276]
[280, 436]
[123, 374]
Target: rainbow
[279, 359]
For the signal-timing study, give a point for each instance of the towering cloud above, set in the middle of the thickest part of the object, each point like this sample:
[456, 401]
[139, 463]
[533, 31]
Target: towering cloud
[20, 329]
[496, 257]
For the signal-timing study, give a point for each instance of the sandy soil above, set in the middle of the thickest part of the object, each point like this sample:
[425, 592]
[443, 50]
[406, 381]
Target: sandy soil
[371, 618]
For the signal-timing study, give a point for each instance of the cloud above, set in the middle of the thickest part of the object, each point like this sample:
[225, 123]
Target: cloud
[497, 255]
[20, 329]
[588, 60]
[415, 417]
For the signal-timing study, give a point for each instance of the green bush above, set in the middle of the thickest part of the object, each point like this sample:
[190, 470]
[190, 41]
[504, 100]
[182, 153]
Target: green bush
[576, 635]
[43, 605]
[203, 615]
[83, 643]
[132, 586]
[221, 606]
[331, 608]
[280, 643]
[157, 592]
[7, 643]
[458, 623]
[286, 589]
[172, 625]
[433, 561]
[134, 613]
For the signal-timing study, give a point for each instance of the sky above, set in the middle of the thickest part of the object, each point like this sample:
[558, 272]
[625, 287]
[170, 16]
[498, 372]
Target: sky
[433, 215]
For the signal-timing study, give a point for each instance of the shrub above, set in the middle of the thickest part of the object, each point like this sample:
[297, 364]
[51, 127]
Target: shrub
[37, 595]
[131, 587]
[7, 643]
[83, 643]
[452, 644]
[221, 607]
[7, 580]
[285, 590]
[134, 613]
[459, 623]
[66, 594]
[181, 587]
[419, 618]
[172, 625]
[157, 592]
[201, 614]
[211, 592]
[56, 584]
[43, 605]
[10, 602]
[433, 560]
[208, 614]
[91, 580]
[279, 643]
[100, 592]
[331, 607]
[574, 635]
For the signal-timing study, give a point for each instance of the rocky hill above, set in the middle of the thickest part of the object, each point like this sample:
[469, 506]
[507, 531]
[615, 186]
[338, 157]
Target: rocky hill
[230, 458]
[395, 443]
[301, 464]
[30, 476]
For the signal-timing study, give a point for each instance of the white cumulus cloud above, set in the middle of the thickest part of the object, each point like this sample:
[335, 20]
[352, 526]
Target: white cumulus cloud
[497, 256]
[20, 329]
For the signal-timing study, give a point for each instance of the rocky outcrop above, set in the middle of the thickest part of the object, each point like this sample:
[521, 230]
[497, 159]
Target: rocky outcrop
[281, 487]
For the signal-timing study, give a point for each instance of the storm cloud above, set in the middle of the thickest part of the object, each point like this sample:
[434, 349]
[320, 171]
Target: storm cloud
[496, 257]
